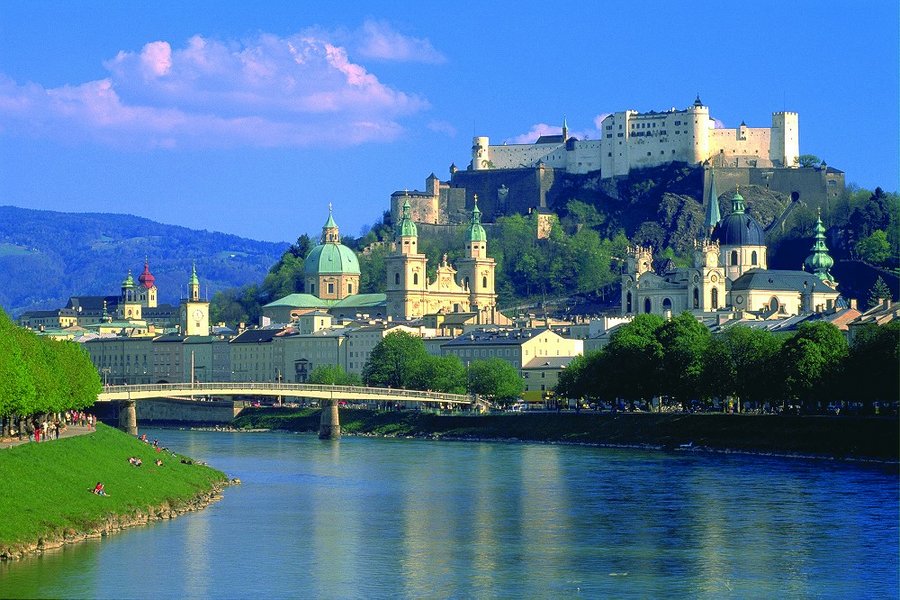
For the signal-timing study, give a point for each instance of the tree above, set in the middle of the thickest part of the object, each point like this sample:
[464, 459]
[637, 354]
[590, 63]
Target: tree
[872, 367]
[333, 375]
[495, 379]
[632, 359]
[879, 291]
[807, 160]
[392, 360]
[684, 340]
[733, 364]
[439, 374]
[811, 362]
[874, 249]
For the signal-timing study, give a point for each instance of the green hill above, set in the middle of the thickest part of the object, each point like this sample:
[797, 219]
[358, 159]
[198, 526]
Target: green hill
[46, 256]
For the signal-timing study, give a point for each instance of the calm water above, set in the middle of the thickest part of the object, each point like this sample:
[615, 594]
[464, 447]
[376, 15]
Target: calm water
[403, 518]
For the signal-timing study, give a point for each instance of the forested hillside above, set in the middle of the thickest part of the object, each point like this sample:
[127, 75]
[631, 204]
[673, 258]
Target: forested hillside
[45, 257]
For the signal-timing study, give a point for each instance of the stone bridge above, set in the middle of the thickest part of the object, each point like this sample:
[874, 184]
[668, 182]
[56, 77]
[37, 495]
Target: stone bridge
[328, 395]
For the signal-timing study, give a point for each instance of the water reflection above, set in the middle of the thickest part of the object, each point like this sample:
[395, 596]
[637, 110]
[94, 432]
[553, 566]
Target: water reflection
[383, 518]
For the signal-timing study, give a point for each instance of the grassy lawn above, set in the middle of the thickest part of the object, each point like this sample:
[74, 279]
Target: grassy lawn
[47, 487]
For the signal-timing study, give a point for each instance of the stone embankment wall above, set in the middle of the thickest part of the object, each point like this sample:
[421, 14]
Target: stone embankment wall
[174, 410]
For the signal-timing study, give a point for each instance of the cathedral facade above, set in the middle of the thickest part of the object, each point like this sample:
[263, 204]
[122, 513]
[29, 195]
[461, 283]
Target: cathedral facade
[468, 288]
[730, 271]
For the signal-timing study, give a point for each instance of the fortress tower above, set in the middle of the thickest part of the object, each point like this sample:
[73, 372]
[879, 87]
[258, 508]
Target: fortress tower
[784, 142]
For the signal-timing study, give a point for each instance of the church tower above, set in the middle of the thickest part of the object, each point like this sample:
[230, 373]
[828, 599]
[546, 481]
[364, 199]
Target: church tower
[194, 310]
[476, 270]
[146, 289]
[820, 262]
[713, 215]
[130, 305]
[405, 269]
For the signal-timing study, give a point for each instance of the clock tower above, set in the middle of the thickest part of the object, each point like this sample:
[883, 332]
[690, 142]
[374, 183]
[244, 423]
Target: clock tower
[194, 311]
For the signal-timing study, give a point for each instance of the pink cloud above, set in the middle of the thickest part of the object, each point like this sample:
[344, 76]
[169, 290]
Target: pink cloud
[266, 92]
[378, 40]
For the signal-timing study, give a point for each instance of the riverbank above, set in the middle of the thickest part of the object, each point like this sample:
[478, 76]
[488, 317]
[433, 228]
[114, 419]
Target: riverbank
[846, 437]
[47, 500]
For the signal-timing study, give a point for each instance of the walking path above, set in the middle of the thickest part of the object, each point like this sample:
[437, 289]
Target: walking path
[70, 431]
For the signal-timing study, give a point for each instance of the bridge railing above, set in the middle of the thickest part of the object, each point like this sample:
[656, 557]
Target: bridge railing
[288, 389]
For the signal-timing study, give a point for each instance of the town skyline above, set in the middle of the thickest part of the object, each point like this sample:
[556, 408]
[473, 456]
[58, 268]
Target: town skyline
[251, 121]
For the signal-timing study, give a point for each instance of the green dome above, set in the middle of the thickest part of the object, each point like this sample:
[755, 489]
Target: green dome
[819, 262]
[331, 259]
[128, 282]
[407, 225]
[194, 279]
[476, 231]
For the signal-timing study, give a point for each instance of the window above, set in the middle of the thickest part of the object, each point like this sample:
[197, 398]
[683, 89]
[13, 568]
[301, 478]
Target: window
[734, 258]
[667, 304]
[647, 306]
[715, 298]
[396, 278]
[330, 288]
[484, 280]
[696, 298]
[415, 279]
[753, 258]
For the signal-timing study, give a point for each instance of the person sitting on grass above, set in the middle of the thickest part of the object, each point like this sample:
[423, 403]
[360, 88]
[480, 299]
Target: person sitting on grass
[158, 463]
[98, 489]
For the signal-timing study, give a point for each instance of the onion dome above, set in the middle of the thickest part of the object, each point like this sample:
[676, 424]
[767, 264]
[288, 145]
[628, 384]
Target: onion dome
[128, 282]
[819, 262]
[738, 228]
[407, 226]
[476, 231]
[146, 278]
[194, 279]
[331, 257]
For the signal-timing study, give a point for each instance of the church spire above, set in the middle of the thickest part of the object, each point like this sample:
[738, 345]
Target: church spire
[713, 216]
[565, 129]
[819, 262]
[330, 232]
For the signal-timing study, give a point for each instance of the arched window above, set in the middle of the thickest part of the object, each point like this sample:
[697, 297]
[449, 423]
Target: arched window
[753, 259]
[466, 283]
[773, 304]
[647, 306]
[396, 278]
[696, 298]
[667, 304]
[415, 279]
[628, 303]
[734, 257]
[715, 298]
[484, 282]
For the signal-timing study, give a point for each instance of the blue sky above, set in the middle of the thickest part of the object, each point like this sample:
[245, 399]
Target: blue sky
[250, 117]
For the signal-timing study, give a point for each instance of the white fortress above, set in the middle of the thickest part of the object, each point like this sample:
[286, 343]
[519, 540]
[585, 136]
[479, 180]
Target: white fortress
[633, 140]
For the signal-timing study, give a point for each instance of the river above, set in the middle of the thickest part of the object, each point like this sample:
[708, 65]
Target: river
[367, 517]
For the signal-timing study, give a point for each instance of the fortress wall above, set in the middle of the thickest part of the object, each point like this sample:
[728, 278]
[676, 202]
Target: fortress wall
[526, 189]
[742, 141]
[527, 155]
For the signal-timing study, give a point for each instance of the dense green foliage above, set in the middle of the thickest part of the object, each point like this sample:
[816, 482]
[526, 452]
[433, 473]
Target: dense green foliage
[45, 257]
[679, 361]
[333, 375]
[47, 487]
[401, 361]
[42, 375]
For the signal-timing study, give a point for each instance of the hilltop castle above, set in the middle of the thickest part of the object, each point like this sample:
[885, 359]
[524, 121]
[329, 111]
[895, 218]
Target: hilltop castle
[634, 140]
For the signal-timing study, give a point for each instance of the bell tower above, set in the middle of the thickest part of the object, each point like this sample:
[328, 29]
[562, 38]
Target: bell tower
[476, 270]
[194, 309]
[406, 274]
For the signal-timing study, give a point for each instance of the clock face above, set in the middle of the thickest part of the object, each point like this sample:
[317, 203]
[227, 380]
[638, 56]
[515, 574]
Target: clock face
[198, 314]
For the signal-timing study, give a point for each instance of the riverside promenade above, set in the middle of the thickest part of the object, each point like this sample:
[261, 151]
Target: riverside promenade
[69, 431]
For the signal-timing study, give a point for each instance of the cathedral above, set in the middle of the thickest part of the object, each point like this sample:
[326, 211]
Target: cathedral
[730, 271]
[468, 289]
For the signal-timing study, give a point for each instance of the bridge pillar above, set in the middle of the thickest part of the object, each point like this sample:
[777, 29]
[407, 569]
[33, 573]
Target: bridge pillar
[128, 417]
[330, 423]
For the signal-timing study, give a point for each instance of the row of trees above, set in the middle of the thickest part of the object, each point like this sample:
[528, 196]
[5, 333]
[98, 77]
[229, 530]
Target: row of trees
[400, 360]
[679, 359]
[39, 375]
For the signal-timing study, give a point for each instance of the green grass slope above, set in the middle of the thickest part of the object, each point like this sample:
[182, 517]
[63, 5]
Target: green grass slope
[46, 488]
